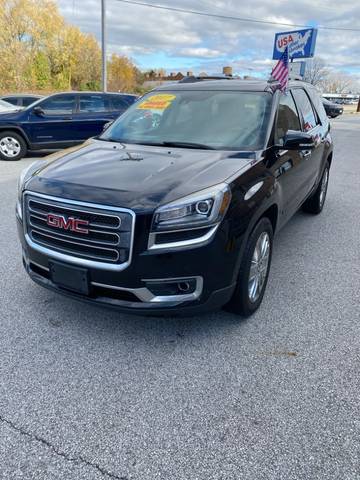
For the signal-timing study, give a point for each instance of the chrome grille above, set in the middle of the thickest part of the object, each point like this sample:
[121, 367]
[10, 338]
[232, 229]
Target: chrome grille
[108, 238]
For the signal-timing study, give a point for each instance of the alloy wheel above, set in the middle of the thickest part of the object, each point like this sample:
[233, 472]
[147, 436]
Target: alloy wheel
[259, 267]
[10, 147]
[323, 187]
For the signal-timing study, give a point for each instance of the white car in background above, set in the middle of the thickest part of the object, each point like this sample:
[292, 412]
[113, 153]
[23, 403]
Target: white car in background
[6, 107]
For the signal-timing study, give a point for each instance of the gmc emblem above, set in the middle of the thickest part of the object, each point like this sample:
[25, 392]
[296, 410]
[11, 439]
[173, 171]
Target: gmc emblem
[69, 223]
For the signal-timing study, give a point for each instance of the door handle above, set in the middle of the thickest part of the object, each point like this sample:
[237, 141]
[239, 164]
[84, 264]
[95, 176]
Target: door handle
[306, 153]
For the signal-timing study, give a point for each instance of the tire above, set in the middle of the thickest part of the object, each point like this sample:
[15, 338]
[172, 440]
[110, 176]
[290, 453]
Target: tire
[246, 298]
[12, 146]
[316, 202]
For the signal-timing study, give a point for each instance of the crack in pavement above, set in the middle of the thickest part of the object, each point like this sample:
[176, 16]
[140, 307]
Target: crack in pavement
[76, 459]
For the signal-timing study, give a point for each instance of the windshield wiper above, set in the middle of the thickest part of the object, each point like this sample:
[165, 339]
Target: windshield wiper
[113, 140]
[200, 146]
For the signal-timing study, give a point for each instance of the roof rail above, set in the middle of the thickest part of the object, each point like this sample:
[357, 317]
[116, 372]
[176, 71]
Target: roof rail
[194, 78]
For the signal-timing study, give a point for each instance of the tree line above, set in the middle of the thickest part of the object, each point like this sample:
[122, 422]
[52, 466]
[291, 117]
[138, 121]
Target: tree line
[40, 51]
[319, 74]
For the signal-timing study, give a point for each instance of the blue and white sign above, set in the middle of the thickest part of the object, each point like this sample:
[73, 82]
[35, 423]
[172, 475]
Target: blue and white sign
[301, 43]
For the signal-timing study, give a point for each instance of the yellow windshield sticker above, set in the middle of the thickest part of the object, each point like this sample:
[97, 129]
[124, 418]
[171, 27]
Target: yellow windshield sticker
[157, 102]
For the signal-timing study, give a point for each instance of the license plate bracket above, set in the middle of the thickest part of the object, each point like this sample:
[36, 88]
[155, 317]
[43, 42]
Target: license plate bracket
[69, 277]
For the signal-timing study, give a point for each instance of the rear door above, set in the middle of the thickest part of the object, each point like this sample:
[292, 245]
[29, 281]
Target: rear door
[310, 124]
[55, 124]
[93, 111]
[324, 127]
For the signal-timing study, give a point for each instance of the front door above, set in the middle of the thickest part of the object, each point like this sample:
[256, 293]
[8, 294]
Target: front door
[288, 166]
[53, 124]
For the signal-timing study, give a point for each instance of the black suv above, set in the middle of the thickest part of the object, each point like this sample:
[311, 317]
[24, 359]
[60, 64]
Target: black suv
[174, 207]
[332, 109]
[58, 121]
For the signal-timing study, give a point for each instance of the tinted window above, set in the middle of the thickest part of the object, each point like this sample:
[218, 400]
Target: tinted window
[12, 100]
[93, 103]
[318, 103]
[120, 103]
[59, 105]
[288, 118]
[303, 103]
[28, 101]
[130, 99]
[231, 120]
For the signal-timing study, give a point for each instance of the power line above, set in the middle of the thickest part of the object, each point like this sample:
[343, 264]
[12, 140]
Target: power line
[231, 17]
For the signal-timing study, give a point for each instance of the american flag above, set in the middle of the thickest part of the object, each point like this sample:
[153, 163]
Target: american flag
[281, 70]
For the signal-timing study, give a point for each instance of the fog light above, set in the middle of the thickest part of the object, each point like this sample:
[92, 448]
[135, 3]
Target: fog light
[172, 287]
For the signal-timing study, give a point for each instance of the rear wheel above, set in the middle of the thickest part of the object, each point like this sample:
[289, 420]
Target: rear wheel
[12, 146]
[254, 271]
[316, 202]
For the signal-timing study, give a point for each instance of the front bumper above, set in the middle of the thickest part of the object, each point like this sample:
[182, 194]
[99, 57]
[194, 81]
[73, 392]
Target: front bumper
[212, 268]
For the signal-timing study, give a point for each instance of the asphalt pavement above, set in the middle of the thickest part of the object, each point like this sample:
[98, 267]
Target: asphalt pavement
[88, 393]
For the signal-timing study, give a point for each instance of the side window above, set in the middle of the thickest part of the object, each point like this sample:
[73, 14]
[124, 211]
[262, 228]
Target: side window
[288, 118]
[92, 103]
[303, 103]
[59, 105]
[12, 100]
[119, 103]
[28, 101]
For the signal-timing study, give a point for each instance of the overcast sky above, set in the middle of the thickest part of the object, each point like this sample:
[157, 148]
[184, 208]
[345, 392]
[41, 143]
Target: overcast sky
[179, 41]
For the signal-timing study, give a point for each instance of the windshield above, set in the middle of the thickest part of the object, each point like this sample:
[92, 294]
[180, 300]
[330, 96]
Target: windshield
[224, 120]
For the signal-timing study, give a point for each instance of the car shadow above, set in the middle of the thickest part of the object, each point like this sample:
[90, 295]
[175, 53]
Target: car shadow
[96, 320]
[39, 154]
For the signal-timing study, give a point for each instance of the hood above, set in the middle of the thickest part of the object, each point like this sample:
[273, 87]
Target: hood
[134, 176]
[9, 113]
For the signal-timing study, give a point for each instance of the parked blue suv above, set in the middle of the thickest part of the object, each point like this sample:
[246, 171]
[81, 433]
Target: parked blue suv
[58, 121]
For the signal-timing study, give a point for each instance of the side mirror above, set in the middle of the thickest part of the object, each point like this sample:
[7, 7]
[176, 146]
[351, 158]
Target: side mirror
[106, 126]
[297, 141]
[38, 111]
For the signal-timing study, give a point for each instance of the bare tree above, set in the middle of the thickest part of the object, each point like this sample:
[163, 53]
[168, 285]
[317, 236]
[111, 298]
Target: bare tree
[328, 80]
[316, 71]
[339, 83]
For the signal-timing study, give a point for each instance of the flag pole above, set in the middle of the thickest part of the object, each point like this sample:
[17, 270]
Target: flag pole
[103, 46]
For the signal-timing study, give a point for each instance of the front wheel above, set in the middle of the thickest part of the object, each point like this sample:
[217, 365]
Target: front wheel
[254, 271]
[12, 146]
[316, 202]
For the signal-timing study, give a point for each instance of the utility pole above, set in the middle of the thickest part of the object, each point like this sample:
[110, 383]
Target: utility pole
[103, 46]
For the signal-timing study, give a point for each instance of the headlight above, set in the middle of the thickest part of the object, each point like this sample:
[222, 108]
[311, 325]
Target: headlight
[203, 208]
[23, 178]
